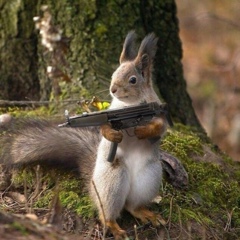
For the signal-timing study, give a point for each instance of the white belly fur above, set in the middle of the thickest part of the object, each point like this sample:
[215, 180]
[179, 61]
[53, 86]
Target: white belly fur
[144, 169]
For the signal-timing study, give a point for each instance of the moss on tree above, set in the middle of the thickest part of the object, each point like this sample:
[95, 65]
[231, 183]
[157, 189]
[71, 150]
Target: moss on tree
[211, 202]
[18, 51]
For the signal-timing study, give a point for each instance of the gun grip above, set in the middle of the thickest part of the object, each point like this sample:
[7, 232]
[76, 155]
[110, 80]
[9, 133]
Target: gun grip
[112, 152]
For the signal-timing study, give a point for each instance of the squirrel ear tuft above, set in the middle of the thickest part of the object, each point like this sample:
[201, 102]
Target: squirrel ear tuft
[129, 52]
[145, 56]
[148, 46]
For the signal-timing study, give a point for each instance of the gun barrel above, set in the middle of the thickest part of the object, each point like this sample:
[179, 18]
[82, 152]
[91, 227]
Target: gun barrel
[86, 120]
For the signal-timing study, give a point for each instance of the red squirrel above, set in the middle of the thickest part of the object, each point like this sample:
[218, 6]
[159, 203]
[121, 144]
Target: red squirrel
[133, 179]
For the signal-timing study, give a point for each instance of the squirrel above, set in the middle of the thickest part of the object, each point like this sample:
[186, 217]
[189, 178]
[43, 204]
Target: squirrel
[133, 179]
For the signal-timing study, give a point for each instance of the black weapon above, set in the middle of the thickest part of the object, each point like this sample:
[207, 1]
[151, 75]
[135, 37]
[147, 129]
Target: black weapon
[120, 118]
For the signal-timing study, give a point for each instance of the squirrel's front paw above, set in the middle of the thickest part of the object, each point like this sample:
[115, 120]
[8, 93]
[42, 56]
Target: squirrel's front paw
[155, 128]
[111, 134]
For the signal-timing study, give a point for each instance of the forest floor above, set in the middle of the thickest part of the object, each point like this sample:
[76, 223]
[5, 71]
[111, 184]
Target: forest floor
[19, 227]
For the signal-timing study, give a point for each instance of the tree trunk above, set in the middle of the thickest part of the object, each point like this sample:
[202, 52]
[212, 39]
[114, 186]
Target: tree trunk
[99, 40]
[96, 30]
[161, 17]
[18, 51]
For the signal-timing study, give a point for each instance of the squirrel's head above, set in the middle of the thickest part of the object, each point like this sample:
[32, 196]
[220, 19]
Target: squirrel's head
[132, 78]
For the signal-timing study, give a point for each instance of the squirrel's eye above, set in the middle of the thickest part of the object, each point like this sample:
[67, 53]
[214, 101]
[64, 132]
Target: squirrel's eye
[133, 80]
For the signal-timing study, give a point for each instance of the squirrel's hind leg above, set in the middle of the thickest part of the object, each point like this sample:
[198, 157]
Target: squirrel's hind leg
[109, 190]
[146, 215]
[114, 228]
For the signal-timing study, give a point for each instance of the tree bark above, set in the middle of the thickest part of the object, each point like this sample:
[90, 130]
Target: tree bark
[96, 30]
[161, 17]
[18, 51]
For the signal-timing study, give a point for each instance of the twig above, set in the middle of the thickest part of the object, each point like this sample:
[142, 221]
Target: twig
[38, 183]
[170, 213]
[6, 103]
[101, 205]
[25, 191]
[135, 231]
[229, 220]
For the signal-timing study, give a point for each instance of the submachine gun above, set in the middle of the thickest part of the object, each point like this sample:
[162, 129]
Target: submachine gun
[119, 118]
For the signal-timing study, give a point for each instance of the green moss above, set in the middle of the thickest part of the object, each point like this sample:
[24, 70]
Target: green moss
[200, 218]
[73, 197]
[213, 193]
[26, 176]
[45, 200]
[10, 12]
[18, 226]
[211, 201]
[70, 190]
[182, 142]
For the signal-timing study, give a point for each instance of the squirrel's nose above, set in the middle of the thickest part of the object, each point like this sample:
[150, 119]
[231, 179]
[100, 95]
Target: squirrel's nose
[113, 89]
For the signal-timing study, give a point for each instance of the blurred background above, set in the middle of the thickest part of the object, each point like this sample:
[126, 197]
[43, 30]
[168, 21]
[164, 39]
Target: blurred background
[210, 35]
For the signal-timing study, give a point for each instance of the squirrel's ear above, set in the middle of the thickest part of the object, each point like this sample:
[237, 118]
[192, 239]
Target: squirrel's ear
[129, 52]
[142, 63]
[148, 47]
[146, 53]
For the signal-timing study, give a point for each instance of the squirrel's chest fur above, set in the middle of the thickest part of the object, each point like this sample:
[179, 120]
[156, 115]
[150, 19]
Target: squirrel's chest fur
[135, 153]
[137, 169]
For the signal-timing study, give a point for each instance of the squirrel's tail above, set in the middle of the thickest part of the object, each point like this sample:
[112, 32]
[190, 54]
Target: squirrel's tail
[39, 141]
